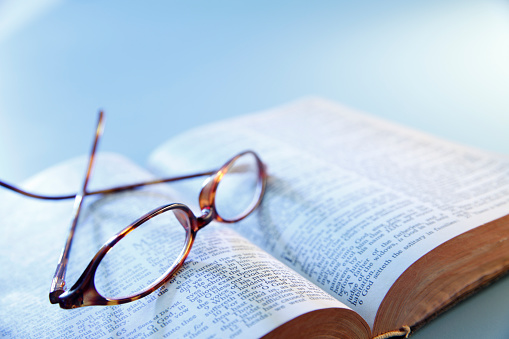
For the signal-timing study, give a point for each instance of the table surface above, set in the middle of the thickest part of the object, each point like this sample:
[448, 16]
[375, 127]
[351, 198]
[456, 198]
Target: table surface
[160, 68]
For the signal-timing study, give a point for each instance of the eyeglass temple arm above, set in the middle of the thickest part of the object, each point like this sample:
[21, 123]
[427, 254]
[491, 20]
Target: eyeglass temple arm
[58, 283]
[104, 191]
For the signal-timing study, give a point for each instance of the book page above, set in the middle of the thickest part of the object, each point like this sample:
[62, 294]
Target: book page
[352, 201]
[228, 287]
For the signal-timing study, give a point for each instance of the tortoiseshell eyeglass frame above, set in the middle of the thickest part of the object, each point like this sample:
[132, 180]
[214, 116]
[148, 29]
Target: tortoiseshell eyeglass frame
[84, 292]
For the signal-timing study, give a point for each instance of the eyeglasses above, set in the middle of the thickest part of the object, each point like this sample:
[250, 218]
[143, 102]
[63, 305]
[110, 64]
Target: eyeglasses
[146, 254]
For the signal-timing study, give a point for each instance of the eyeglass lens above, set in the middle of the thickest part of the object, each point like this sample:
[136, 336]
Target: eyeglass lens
[239, 189]
[143, 256]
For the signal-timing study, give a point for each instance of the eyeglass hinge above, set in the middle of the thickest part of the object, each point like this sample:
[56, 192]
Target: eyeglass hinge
[57, 288]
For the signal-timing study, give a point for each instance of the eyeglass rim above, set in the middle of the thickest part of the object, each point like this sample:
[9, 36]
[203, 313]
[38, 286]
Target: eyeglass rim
[84, 291]
[208, 192]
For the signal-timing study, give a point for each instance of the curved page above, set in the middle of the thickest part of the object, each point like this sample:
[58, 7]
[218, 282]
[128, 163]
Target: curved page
[352, 200]
[228, 286]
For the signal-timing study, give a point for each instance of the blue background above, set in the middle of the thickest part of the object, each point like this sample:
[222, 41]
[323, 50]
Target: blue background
[159, 68]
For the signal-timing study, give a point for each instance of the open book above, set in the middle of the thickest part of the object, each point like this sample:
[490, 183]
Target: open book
[366, 229]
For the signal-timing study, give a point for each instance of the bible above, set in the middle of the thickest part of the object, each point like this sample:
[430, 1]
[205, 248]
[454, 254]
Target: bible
[367, 230]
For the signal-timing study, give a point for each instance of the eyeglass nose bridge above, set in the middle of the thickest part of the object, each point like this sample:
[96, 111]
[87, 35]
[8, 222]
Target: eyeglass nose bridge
[206, 201]
[208, 215]
[208, 192]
